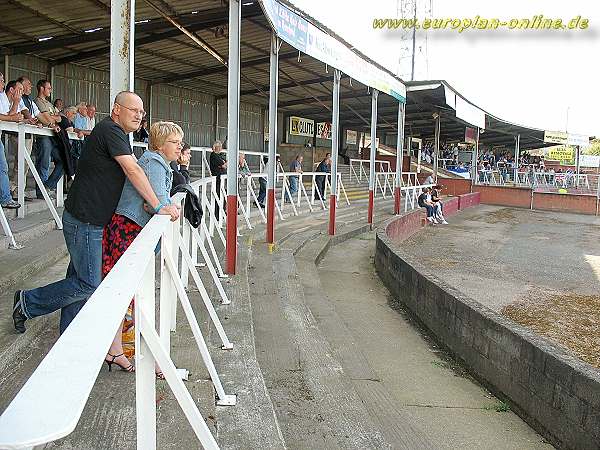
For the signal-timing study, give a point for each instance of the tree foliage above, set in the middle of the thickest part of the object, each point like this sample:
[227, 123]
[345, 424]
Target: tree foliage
[593, 149]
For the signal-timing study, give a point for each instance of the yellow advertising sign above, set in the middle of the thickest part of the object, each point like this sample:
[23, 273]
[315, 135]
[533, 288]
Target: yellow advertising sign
[300, 126]
[566, 154]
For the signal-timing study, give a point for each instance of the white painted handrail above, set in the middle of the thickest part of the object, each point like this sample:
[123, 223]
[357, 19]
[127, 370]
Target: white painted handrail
[361, 163]
[47, 408]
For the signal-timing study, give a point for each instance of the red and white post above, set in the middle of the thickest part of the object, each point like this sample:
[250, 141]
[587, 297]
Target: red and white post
[272, 163]
[399, 158]
[373, 153]
[335, 125]
[233, 145]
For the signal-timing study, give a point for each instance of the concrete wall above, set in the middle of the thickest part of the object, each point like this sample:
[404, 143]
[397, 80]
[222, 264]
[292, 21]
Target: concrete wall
[583, 204]
[469, 200]
[455, 186]
[556, 393]
[506, 196]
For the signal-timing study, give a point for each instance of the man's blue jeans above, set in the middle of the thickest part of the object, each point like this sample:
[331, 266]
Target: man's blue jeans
[46, 151]
[4, 183]
[84, 243]
[293, 188]
[262, 191]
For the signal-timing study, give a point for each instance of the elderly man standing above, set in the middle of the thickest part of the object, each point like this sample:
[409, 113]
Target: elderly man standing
[9, 113]
[106, 162]
[91, 116]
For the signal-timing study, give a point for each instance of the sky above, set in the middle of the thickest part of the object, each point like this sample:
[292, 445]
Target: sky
[540, 78]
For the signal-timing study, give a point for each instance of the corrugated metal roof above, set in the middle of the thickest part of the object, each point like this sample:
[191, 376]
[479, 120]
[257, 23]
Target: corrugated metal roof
[79, 33]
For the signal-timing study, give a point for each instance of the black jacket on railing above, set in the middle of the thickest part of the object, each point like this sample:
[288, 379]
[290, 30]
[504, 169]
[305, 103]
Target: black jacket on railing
[192, 210]
[64, 149]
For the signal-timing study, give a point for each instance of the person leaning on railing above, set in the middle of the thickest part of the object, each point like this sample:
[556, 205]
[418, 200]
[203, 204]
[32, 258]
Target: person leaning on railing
[9, 113]
[131, 215]
[104, 165]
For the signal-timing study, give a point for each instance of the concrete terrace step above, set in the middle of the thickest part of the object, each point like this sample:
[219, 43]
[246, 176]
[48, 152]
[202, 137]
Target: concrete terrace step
[315, 403]
[396, 426]
[315, 406]
[27, 230]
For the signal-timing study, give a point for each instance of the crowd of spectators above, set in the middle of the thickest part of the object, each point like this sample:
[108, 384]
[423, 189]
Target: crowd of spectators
[18, 104]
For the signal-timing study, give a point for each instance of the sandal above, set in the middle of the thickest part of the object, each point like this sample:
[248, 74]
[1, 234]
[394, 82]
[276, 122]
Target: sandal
[129, 368]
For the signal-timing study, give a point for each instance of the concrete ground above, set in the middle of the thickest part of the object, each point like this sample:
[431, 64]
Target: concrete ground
[500, 255]
[540, 269]
[446, 405]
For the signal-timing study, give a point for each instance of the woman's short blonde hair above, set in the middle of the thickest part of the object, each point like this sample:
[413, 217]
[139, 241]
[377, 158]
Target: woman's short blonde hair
[159, 133]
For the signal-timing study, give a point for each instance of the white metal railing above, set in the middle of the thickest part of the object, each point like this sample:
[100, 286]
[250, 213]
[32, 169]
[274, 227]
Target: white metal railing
[248, 195]
[51, 408]
[357, 168]
[411, 195]
[538, 179]
[205, 165]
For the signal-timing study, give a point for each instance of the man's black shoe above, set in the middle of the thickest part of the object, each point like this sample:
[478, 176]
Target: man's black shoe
[18, 316]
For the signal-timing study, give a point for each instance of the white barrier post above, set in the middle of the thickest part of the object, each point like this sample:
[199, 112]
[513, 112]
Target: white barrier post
[145, 383]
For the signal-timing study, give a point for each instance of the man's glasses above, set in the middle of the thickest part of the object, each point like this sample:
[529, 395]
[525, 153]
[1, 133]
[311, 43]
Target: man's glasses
[137, 112]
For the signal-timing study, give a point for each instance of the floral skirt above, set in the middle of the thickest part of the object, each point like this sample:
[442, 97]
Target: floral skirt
[117, 237]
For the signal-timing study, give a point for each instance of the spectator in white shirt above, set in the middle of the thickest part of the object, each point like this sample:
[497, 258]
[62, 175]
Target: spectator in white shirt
[8, 112]
[91, 116]
[31, 114]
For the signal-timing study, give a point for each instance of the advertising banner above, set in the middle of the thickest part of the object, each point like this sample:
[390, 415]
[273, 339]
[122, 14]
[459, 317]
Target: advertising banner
[555, 137]
[351, 137]
[299, 126]
[324, 130]
[563, 154]
[307, 38]
[470, 135]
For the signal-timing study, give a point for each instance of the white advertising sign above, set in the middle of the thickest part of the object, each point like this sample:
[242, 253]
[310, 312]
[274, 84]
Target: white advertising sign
[324, 130]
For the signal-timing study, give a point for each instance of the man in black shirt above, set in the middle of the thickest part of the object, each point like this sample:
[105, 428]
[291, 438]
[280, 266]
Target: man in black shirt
[105, 163]
[218, 166]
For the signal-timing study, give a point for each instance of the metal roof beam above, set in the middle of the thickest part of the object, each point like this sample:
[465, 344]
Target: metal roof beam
[155, 37]
[222, 69]
[284, 86]
[214, 19]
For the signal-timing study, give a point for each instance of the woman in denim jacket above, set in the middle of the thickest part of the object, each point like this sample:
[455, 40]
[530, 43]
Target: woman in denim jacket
[131, 215]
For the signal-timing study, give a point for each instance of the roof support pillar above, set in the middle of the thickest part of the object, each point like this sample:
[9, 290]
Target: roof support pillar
[399, 157]
[436, 145]
[474, 159]
[335, 126]
[233, 145]
[122, 19]
[375, 92]
[272, 162]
